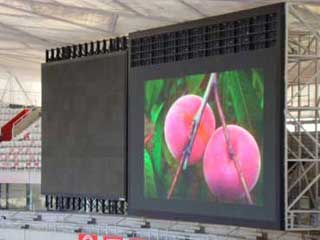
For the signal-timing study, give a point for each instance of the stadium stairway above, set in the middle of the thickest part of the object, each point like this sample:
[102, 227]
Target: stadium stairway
[19, 123]
[31, 117]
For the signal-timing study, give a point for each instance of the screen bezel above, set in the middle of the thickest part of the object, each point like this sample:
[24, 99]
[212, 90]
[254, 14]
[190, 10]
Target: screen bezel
[272, 61]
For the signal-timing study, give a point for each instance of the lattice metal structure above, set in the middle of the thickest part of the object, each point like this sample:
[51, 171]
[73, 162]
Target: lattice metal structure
[302, 166]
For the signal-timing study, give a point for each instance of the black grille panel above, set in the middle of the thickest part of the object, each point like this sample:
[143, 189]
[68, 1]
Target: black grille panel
[217, 39]
[85, 205]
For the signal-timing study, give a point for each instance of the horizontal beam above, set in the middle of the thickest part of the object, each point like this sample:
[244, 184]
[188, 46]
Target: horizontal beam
[304, 211]
[298, 57]
[303, 108]
[299, 33]
[304, 160]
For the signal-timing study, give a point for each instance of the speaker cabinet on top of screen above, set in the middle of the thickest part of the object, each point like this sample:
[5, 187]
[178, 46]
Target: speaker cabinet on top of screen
[205, 110]
[84, 102]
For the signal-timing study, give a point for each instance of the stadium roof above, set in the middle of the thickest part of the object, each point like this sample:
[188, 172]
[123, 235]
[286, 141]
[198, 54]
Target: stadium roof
[28, 27]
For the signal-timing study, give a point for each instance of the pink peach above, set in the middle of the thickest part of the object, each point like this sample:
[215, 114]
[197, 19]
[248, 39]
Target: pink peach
[219, 170]
[178, 124]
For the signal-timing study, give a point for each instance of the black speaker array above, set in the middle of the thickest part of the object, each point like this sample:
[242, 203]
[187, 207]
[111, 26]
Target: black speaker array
[231, 37]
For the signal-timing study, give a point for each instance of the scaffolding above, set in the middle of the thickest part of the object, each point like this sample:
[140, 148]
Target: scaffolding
[302, 162]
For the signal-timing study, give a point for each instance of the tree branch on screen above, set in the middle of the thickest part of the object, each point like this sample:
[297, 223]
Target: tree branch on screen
[194, 129]
[148, 138]
[231, 151]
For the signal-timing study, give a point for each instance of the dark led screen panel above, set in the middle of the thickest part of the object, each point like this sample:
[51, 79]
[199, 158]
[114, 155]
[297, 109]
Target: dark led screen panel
[84, 126]
[206, 122]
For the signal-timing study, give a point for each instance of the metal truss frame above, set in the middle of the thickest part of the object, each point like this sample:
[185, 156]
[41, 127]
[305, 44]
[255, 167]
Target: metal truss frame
[302, 162]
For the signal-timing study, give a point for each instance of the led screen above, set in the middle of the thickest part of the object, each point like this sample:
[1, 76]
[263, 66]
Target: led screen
[83, 127]
[203, 137]
[205, 120]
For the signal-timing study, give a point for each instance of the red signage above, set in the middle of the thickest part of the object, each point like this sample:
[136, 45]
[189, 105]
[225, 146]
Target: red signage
[84, 236]
[110, 237]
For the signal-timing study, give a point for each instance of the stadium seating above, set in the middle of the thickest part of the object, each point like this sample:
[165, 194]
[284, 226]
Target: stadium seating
[24, 151]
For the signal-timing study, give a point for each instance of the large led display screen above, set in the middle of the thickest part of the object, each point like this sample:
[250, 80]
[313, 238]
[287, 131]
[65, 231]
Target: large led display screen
[205, 133]
[84, 108]
[211, 123]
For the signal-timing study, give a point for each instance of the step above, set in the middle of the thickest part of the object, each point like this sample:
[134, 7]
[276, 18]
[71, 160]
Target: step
[20, 126]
